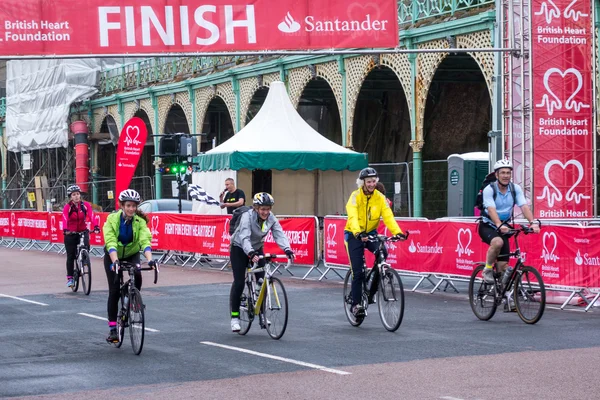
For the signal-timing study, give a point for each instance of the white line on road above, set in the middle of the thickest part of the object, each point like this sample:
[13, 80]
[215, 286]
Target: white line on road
[104, 319]
[21, 299]
[566, 309]
[288, 360]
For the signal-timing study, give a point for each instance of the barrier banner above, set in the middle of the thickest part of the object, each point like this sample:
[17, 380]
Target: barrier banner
[7, 222]
[190, 232]
[334, 247]
[97, 239]
[30, 225]
[301, 234]
[562, 100]
[137, 27]
[130, 148]
[56, 228]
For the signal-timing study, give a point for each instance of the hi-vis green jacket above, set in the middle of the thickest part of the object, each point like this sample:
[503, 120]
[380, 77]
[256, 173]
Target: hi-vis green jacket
[365, 211]
[142, 237]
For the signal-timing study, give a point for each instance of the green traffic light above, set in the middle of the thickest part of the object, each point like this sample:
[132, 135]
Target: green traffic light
[183, 168]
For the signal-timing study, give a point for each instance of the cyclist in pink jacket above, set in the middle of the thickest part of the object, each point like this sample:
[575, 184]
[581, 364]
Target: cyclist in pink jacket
[75, 215]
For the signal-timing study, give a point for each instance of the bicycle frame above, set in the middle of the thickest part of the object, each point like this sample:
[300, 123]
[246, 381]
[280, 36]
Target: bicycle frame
[269, 271]
[379, 265]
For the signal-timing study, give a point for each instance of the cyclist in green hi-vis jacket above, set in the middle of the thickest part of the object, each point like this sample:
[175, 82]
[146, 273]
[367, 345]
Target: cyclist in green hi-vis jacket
[126, 233]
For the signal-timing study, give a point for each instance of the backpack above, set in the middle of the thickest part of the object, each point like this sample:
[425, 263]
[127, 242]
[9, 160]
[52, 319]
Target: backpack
[491, 179]
[235, 218]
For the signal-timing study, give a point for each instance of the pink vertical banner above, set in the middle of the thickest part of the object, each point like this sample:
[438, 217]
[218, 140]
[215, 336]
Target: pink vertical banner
[563, 131]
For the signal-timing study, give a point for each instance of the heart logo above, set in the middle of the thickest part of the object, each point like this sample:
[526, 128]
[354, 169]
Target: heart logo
[464, 240]
[549, 240]
[572, 14]
[53, 223]
[226, 236]
[553, 195]
[154, 225]
[331, 232]
[358, 12]
[131, 130]
[578, 259]
[549, 11]
[551, 101]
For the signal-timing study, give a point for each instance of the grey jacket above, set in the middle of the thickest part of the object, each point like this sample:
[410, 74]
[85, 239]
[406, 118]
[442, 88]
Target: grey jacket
[250, 236]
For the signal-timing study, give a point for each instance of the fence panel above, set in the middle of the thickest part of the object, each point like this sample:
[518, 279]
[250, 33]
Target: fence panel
[396, 179]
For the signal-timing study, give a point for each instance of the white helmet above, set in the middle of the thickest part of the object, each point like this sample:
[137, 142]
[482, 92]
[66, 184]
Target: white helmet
[504, 163]
[129, 195]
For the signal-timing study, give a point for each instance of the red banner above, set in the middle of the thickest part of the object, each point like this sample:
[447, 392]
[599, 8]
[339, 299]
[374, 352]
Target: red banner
[301, 234]
[30, 225]
[563, 125]
[58, 27]
[56, 228]
[130, 148]
[7, 221]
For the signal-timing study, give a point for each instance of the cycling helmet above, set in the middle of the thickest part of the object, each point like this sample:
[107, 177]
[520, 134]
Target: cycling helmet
[368, 173]
[263, 199]
[504, 163]
[73, 189]
[129, 195]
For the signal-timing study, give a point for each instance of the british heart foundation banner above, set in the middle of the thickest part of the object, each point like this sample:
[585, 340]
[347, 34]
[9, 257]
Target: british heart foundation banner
[563, 128]
[131, 146]
[137, 27]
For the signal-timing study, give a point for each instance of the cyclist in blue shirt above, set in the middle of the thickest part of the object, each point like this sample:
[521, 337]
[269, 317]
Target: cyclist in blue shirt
[497, 211]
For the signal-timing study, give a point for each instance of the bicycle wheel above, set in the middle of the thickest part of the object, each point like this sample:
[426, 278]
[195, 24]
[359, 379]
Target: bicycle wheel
[136, 321]
[246, 309]
[482, 296]
[122, 318]
[76, 270]
[275, 308]
[86, 272]
[348, 301]
[390, 299]
[529, 295]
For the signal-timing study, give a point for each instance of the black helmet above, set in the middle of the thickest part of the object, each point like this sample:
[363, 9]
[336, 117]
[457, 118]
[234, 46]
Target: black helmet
[263, 199]
[368, 173]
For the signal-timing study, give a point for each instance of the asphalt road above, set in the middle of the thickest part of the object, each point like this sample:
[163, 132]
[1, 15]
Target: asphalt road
[53, 344]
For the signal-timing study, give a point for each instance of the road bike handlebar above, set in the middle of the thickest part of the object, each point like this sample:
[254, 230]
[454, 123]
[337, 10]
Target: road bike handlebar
[269, 257]
[128, 266]
[383, 238]
[516, 229]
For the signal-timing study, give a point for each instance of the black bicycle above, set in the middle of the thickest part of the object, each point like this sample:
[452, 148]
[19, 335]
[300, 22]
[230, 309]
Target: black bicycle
[524, 287]
[266, 299]
[389, 290]
[83, 265]
[131, 306]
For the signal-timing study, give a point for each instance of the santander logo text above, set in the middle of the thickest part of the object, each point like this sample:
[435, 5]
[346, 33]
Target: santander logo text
[314, 24]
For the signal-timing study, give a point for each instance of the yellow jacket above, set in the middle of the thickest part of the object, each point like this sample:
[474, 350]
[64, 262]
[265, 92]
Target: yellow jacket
[364, 213]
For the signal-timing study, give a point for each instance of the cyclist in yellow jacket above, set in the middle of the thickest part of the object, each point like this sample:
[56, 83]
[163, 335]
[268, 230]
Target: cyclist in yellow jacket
[365, 208]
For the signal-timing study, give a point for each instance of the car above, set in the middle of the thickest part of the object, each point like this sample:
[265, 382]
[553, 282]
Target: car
[165, 206]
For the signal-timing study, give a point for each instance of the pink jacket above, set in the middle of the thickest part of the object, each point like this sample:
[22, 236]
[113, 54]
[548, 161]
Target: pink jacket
[74, 217]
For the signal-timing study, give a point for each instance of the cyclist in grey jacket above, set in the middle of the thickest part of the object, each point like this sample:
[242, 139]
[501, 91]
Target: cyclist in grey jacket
[247, 244]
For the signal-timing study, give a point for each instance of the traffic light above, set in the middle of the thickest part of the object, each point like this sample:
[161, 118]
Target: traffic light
[175, 168]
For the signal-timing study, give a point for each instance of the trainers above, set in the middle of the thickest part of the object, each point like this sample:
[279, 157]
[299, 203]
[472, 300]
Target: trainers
[70, 282]
[488, 275]
[235, 325]
[113, 337]
[358, 311]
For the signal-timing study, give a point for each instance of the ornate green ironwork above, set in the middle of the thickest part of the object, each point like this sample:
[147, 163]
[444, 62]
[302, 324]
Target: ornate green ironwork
[411, 11]
[2, 107]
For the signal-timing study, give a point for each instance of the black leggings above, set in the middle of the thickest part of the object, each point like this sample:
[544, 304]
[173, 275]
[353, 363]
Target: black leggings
[71, 242]
[239, 264]
[113, 286]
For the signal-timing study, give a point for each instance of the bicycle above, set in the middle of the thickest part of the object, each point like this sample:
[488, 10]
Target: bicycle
[268, 301]
[131, 306]
[389, 291]
[525, 281]
[83, 265]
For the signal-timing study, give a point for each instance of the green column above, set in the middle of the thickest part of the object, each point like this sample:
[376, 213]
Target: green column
[157, 174]
[344, 116]
[2, 166]
[192, 95]
[236, 91]
[416, 144]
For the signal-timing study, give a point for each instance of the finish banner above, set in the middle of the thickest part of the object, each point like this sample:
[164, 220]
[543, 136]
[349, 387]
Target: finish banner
[562, 99]
[130, 148]
[137, 27]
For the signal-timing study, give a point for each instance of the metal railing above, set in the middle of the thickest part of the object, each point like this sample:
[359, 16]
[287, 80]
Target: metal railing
[396, 180]
[411, 11]
[18, 198]
[144, 185]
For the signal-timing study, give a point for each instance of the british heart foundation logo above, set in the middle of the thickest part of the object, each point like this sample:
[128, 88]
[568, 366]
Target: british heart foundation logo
[464, 240]
[154, 225]
[331, 231]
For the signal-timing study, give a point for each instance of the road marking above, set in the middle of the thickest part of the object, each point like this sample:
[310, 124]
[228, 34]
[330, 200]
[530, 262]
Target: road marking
[21, 299]
[106, 320]
[288, 360]
[566, 309]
